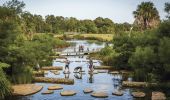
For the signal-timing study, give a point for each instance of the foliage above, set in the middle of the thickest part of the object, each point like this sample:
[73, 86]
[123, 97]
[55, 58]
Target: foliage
[146, 15]
[4, 83]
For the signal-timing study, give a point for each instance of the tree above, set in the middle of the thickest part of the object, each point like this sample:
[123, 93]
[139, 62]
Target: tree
[146, 15]
[167, 9]
[16, 5]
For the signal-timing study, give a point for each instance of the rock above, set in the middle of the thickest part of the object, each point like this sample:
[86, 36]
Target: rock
[87, 90]
[55, 87]
[52, 68]
[57, 73]
[99, 94]
[134, 84]
[45, 72]
[53, 71]
[158, 96]
[138, 94]
[114, 72]
[118, 93]
[103, 67]
[68, 93]
[53, 80]
[25, 89]
[102, 71]
[48, 92]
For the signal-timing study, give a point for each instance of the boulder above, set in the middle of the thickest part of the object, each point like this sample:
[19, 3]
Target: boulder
[118, 93]
[87, 90]
[102, 71]
[67, 93]
[48, 92]
[99, 94]
[55, 87]
[158, 96]
[138, 94]
[114, 72]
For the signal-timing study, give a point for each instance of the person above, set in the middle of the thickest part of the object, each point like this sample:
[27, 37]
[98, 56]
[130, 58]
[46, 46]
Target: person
[78, 69]
[67, 62]
[91, 65]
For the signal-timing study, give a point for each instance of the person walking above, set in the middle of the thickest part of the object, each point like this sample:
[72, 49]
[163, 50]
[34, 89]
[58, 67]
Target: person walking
[91, 65]
[67, 63]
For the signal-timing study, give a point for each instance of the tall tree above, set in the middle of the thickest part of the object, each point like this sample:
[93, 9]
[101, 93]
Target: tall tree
[146, 15]
[167, 9]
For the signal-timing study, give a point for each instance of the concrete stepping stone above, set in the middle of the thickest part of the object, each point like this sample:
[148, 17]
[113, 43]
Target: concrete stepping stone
[87, 90]
[114, 72]
[53, 71]
[25, 89]
[138, 94]
[57, 73]
[102, 71]
[99, 94]
[118, 93]
[158, 96]
[67, 93]
[45, 72]
[48, 92]
[55, 87]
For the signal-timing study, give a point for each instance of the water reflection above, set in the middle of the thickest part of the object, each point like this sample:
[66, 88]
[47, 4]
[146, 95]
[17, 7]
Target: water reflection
[91, 79]
[67, 75]
[78, 75]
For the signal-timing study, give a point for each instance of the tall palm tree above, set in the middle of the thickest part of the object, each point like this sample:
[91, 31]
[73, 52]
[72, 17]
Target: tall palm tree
[146, 15]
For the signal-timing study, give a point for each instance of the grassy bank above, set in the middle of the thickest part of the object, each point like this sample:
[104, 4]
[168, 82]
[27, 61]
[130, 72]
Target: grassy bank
[99, 37]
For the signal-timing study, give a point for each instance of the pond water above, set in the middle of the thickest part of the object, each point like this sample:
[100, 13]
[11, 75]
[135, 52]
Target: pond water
[98, 82]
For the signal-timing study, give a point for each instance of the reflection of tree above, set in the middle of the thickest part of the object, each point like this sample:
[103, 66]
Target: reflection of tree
[67, 76]
[91, 80]
[78, 75]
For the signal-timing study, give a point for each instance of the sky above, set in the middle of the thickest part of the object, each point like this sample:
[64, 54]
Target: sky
[119, 11]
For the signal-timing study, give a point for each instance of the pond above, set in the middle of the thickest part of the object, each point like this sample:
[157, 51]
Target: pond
[98, 82]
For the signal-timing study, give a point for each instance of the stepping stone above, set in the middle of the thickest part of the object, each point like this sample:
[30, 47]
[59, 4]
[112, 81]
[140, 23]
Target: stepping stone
[57, 73]
[48, 92]
[102, 71]
[138, 94]
[53, 71]
[99, 94]
[158, 96]
[118, 93]
[25, 89]
[87, 90]
[55, 87]
[45, 72]
[68, 93]
[114, 72]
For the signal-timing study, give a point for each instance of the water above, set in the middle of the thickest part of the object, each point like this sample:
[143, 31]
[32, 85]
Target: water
[98, 82]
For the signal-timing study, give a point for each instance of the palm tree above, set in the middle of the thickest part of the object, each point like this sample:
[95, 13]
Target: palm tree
[146, 15]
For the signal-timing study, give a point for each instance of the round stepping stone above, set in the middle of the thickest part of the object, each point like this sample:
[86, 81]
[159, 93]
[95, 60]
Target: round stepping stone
[57, 73]
[48, 92]
[158, 96]
[68, 93]
[102, 71]
[55, 87]
[87, 90]
[118, 93]
[45, 72]
[114, 72]
[99, 94]
[138, 94]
